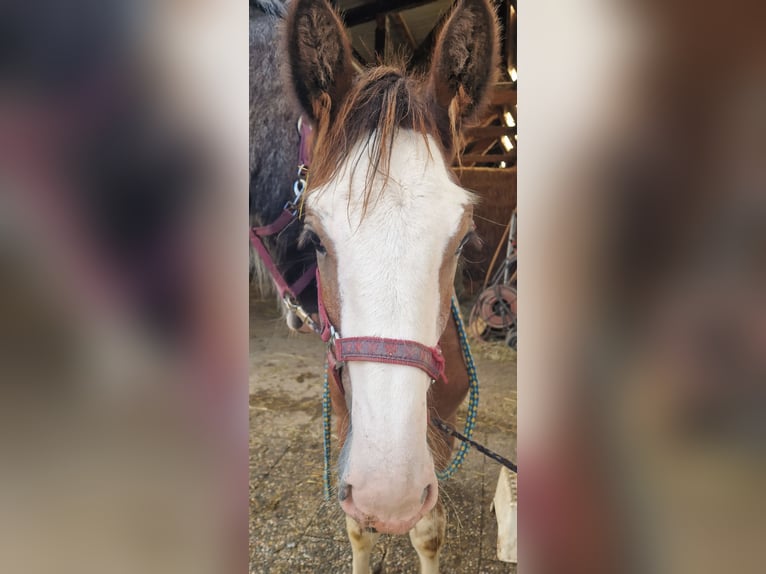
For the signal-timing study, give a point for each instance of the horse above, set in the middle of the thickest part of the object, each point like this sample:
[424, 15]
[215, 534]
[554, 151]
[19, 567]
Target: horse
[386, 221]
[274, 142]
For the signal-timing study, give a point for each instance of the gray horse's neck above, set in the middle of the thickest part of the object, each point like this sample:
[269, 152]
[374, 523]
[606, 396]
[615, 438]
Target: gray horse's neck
[273, 114]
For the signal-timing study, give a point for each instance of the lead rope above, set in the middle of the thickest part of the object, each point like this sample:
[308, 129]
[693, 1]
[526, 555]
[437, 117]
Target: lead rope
[470, 420]
[326, 437]
[473, 398]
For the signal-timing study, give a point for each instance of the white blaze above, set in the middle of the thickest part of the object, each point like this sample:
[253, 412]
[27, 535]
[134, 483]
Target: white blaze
[388, 265]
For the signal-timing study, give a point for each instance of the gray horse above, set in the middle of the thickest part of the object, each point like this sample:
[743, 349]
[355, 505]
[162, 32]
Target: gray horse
[274, 144]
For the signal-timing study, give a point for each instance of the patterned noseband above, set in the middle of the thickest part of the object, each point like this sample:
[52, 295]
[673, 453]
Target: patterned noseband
[341, 350]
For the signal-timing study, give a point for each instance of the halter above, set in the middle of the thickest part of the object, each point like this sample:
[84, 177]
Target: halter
[288, 294]
[341, 350]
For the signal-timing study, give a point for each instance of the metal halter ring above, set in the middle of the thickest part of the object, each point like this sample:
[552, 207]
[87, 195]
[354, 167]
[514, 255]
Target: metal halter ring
[300, 183]
[299, 187]
[292, 304]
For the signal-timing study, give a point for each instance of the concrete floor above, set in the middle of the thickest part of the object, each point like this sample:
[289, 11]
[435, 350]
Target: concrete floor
[292, 528]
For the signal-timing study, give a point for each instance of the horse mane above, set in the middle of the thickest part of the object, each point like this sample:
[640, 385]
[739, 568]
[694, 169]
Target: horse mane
[381, 101]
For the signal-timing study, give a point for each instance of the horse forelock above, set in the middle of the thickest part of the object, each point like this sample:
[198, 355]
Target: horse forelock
[381, 101]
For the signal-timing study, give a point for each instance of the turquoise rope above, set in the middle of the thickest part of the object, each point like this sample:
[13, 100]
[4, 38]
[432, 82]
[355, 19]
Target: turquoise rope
[473, 398]
[326, 439]
[470, 421]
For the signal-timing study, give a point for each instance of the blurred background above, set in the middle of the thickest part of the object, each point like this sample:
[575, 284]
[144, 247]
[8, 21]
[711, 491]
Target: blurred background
[642, 190]
[123, 273]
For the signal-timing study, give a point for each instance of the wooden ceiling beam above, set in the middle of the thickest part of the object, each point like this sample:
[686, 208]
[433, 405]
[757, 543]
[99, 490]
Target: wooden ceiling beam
[490, 158]
[369, 11]
[490, 132]
[504, 94]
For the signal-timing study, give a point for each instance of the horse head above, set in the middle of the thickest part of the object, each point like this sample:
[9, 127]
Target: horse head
[388, 221]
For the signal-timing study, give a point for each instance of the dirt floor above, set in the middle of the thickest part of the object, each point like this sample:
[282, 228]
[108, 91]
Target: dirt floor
[292, 528]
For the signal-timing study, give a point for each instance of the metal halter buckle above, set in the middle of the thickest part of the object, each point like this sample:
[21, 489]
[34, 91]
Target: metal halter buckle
[334, 336]
[291, 207]
[300, 183]
[292, 305]
[299, 186]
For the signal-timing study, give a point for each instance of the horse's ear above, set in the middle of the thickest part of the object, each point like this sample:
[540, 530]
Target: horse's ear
[465, 62]
[320, 57]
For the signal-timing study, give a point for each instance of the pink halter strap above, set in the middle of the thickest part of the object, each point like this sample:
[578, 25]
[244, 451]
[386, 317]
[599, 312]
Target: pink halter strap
[295, 289]
[288, 215]
[341, 350]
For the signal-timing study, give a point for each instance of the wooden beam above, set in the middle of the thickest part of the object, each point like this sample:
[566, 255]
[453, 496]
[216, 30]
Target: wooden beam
[495, 158]
[369, 11]
[480, 147]
[490, 132]
[504, 94]
[475, 171]
[486, 145]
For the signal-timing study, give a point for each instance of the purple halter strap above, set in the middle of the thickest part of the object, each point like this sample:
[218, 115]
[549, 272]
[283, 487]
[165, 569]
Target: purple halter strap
[288, 215]
[341, 350]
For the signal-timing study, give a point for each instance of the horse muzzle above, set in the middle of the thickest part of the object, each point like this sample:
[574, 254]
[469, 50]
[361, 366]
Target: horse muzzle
[376, 505]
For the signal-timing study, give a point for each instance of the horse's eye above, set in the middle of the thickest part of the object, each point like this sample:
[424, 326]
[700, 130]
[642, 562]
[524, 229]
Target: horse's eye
[470, 237]
[317, 243]
[309, 236]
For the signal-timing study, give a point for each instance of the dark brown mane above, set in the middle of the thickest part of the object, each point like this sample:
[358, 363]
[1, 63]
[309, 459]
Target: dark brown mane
[381, 101]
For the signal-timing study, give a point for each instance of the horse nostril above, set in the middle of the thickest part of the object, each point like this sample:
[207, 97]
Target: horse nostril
[344, 491]
[424, 496]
